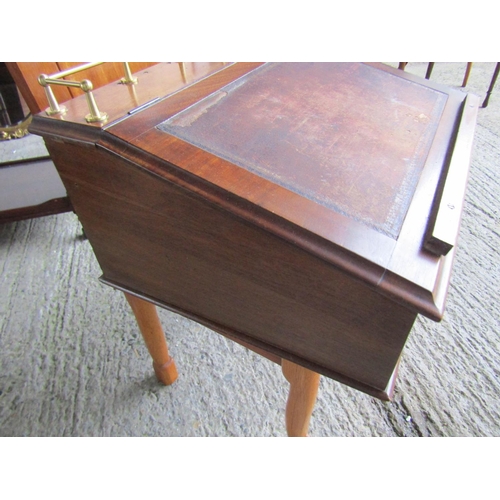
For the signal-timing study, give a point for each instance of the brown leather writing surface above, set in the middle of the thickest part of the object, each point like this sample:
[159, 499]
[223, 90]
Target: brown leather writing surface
[283, 205]
[347, 136]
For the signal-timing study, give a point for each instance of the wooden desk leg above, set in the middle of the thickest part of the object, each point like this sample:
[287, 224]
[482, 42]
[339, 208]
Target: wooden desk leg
[304, 385]
[152, 332]
[467, 73]
[428, 73]
[492, 85]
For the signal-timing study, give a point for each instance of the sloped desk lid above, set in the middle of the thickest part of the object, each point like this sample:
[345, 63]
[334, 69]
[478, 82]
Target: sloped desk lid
[345, 136]
[346, 160]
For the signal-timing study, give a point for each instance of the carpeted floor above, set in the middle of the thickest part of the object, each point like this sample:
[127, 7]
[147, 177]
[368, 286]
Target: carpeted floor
[72, 361]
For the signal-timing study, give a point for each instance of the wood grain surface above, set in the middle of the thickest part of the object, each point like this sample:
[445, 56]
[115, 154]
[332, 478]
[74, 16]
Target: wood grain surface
[257, 259]
[26, 76]
[321, 131]
[31, 188]
[154, 238]
[401, 268]
[74, 363]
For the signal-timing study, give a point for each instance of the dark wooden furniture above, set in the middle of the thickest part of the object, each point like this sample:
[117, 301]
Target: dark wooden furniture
[26, 74]
[309, 211]
[430, 67]
[29, 183]
[492, 85]
[31, 187]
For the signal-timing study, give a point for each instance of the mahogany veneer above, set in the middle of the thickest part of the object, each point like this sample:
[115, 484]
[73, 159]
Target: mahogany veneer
[308, 210]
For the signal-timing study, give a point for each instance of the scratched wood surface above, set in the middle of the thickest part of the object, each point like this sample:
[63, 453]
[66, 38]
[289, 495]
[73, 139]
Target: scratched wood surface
[154, 239]
[182, 251]
[413, 276]
[73, 363]
[346, 135]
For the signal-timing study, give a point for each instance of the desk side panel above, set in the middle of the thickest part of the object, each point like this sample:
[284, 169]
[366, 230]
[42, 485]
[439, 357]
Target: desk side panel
[159, 240]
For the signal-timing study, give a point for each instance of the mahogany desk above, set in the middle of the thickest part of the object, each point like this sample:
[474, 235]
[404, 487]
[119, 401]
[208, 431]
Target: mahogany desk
[309, 211]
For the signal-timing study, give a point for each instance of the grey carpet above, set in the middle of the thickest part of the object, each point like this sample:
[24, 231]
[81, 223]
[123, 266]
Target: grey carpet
[72, 361]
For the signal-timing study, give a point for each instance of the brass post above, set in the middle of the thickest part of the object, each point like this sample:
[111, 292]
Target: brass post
[86, 85]
[54, 108]
[182, 67]
[95, 115]
[129, 78]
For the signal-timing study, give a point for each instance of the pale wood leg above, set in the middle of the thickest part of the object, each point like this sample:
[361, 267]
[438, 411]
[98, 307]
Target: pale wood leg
[152, 332]
[304, 385]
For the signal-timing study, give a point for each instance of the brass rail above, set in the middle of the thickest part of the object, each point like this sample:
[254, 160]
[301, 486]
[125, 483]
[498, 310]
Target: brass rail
[85, 85]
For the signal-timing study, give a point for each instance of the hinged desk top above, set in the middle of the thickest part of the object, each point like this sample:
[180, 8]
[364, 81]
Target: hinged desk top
[346, 136]
[346, 159]
[308, 209]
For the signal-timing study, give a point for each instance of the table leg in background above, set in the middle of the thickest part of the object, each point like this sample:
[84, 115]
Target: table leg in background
[492, 85]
